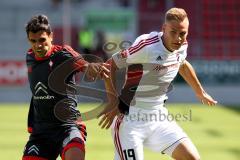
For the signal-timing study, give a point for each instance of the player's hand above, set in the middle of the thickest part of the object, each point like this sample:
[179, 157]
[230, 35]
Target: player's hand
[97, 70]
[107, 118]
[104, 70]
[206, 99]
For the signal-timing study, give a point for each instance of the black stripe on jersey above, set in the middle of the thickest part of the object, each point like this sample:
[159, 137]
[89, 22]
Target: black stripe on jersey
[134, 75]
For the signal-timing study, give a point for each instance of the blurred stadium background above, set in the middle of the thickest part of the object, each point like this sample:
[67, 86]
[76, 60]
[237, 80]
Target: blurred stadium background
[100, 27]
[214, 38]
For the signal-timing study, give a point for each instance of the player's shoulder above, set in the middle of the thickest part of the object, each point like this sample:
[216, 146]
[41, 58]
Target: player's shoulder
[70, 50]
[147, 39]
[149, 36]
[65, 50]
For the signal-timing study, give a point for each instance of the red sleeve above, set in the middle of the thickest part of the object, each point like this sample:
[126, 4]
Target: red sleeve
[70, 50]
[79, 63]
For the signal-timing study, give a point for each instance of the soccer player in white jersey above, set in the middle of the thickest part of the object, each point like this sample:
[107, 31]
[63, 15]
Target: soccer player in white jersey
[152, 62]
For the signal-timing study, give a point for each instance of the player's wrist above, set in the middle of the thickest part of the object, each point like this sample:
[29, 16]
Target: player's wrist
[85, 66]
[200, 93]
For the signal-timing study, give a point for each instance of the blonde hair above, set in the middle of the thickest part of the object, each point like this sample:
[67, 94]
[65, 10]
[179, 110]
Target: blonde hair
[177, 14]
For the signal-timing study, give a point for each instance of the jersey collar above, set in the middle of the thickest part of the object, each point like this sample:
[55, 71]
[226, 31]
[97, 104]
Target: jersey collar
[53, 49]
[168, 53]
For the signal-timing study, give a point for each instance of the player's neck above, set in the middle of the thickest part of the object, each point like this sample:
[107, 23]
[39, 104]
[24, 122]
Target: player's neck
[47, 54]
[163, 40]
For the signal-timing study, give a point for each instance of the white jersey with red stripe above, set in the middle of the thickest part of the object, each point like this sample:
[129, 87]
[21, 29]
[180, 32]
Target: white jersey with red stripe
[158, 68]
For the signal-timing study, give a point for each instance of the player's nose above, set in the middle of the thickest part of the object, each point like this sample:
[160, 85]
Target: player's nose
[179, 39]
[39, 45]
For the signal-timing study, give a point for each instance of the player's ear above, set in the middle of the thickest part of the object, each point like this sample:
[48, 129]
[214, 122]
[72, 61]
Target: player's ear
[164, 27]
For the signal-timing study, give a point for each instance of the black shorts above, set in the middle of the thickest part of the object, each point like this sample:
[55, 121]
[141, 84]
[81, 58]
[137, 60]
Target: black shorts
[49, 146]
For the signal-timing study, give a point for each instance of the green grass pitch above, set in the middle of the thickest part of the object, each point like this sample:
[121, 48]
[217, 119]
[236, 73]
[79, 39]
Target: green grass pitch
[214, 130]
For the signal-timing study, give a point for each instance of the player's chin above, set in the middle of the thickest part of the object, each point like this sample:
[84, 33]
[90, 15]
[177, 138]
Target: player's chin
[41, 53]
[175, 47]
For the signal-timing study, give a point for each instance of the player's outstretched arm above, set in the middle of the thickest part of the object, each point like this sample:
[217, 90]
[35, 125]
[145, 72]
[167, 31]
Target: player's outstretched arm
[94, 71]
[111, 109]
[189, 75]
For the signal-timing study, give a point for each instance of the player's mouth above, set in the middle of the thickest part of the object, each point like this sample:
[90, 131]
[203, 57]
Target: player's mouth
[40, 52]
[176, 45]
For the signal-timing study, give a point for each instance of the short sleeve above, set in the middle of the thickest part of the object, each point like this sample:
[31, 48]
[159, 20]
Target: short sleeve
[136, 54]
[73, 58]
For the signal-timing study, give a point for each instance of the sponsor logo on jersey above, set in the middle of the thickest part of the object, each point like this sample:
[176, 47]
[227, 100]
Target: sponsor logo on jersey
[33, 149]
[40, 88]
[50, 63]
[122, 54]
[161, 67]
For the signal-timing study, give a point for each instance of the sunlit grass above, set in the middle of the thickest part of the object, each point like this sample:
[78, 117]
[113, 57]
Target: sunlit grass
[214, 130]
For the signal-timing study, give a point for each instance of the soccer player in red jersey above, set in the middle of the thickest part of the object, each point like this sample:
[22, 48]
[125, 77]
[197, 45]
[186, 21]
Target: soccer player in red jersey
[49, 135]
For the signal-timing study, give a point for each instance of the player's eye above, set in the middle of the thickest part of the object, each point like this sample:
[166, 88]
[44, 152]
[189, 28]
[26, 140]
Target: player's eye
[173, 32]
[32, 40]
[182, 34]
[41, 40]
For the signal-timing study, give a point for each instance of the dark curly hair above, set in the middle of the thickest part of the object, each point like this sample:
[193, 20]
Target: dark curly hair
[38, 23]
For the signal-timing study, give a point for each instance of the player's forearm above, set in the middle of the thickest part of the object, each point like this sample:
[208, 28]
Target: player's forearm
[81, 65]
[110, 89]
[110, 83]
[189, 75]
